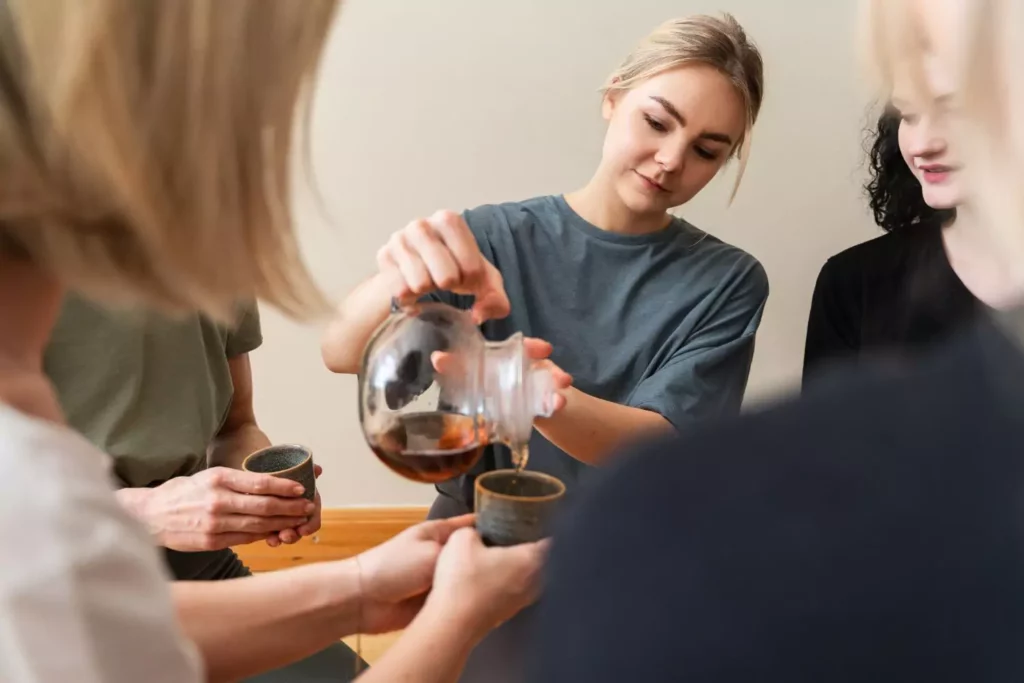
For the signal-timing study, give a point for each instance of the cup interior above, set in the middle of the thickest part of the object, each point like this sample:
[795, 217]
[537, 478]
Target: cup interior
[276, 459]
[526, 486]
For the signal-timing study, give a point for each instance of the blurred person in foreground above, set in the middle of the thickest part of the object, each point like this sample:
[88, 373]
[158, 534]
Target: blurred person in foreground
[134, 172]
[869, 530]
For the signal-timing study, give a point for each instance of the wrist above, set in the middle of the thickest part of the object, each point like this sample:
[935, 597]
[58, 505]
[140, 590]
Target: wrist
[344, 594]
[453, 627]
[461, 619]
[135, 502]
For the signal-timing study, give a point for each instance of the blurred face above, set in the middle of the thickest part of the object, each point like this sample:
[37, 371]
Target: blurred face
[926, 149]
[669, 135]
[927, 103]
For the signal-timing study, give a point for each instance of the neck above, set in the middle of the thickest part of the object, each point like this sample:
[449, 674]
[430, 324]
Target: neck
[977, 261]
[598, 203]
[29, 305]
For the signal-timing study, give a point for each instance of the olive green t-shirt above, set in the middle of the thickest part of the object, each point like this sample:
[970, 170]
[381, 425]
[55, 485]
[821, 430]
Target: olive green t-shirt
[151, 391]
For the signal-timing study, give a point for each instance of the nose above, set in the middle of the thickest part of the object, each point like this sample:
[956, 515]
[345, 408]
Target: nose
[670, 157]
[926, 140]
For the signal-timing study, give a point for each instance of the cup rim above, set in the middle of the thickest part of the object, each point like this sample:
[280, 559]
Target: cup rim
[538, 475]
[293, 468]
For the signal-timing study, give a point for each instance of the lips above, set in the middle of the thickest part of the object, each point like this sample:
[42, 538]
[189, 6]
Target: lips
[652, 185]
[936, 173]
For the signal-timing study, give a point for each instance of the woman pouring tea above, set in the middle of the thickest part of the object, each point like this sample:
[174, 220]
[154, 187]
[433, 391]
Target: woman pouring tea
[653, 318]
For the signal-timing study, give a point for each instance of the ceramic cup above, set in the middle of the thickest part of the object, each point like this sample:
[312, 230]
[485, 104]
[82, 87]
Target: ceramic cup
[286, 461]
[516, 507]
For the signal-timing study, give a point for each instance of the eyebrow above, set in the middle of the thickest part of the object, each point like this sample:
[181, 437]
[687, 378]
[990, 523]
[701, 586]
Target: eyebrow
[674, 113]
[902, 104]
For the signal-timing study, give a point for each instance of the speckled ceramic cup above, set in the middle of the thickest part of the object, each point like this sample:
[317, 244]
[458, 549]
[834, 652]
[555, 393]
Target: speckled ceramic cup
[516, 507]
[286, 461]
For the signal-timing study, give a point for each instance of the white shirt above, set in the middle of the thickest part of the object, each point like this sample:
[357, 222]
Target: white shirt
[84, 596]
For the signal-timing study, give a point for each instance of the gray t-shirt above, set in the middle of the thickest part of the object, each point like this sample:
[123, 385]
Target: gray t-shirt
[663, 321]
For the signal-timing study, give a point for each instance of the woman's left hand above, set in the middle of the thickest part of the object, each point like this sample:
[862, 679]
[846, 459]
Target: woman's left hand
[537, 350]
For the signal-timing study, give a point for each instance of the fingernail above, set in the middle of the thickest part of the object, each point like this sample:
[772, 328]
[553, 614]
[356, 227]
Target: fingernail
[310, 507]
[298, 489]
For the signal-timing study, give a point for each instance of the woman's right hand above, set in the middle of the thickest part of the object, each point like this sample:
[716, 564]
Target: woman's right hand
[440, 253]
[478, 588]
[218, 508]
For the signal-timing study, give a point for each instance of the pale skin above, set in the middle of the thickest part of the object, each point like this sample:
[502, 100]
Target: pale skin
[237, 624]
[924, 141]
[667, 138]
[223, 506]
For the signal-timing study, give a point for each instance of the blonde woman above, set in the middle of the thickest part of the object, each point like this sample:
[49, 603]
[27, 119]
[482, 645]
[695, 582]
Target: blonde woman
[870, 531]
[144, 151]
[653, 318]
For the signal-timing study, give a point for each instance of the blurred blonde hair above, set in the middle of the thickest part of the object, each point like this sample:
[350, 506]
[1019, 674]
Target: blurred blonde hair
[987, 58]
[719, 42]
[145, 147]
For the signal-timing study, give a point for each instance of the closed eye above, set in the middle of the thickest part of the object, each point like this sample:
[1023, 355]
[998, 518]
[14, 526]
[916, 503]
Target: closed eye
[655, 124]
[705, 153]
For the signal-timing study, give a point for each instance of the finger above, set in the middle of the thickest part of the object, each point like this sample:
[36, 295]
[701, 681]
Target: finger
[453, 230]
[561, 378]
[448, 363]
[444, 271]
[253, 483]
[310, 527]
[250, 524]
[313, 524]
[264, 506]
[317, 471]
[230, 540]
[273, 540]
[491, 299]
[441, 530]
[393, 276]
[289, 536]
[536, 349]
[411, 266]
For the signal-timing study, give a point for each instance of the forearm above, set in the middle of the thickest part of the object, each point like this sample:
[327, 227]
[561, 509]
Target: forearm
[246, 626]
[357, 319]
[590, 429]
[229, 449]
[433, 649]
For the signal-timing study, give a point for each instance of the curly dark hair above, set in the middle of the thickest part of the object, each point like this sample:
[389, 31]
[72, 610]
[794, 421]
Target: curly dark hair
[894, 193]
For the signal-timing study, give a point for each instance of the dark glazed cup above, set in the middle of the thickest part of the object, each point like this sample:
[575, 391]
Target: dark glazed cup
[516, 507]
[288, 462]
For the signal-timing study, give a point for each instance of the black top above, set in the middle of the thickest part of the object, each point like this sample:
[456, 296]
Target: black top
[888, 297]
[869, 531]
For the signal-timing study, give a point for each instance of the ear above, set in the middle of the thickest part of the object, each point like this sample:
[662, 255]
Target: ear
[608, 103]
[610, 99]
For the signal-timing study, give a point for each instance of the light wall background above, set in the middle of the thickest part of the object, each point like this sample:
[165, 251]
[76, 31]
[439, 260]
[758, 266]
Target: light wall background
[453, 103]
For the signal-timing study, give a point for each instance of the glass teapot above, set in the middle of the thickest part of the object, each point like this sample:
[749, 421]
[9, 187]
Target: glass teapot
[433, 393]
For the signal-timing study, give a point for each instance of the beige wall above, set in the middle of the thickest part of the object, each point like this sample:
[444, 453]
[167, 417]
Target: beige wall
[452, 103]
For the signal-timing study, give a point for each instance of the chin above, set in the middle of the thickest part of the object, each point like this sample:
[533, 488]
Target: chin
[639, 203]
[942, 199]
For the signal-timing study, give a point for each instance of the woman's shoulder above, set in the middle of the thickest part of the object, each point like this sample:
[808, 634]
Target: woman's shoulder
[727, 261]
[513, 214]
[880, 253]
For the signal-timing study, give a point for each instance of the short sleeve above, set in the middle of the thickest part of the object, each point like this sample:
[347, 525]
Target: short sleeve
[85, 597]
[832, 325]
[708, 376]
[246, 335]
